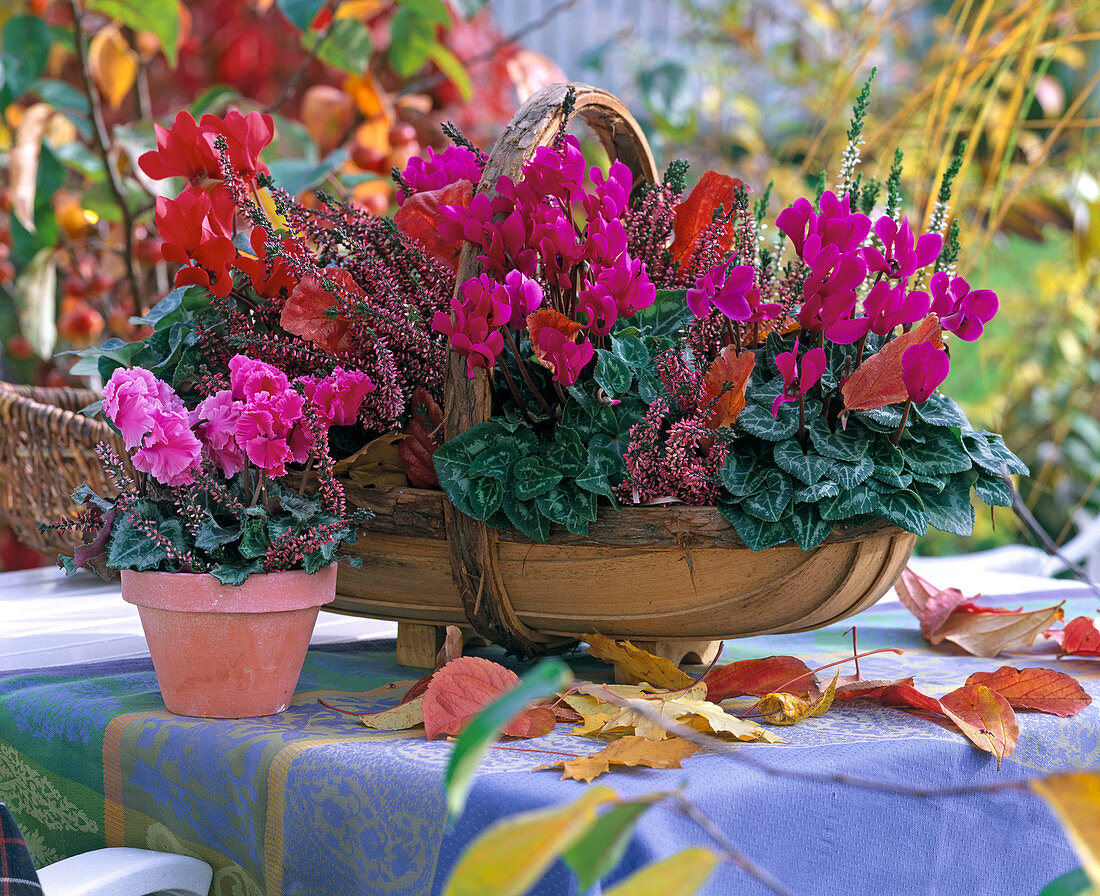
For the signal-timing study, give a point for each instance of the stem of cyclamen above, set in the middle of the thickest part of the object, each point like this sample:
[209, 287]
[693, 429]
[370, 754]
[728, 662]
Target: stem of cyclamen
[524, 372]
[904, 417]
[802, 420]
[256, 491]
[859, 349]
[511, 385]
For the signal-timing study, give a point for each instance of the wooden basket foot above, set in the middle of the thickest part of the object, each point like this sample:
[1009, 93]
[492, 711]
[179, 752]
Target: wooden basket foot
[418, 644]
[682, 652]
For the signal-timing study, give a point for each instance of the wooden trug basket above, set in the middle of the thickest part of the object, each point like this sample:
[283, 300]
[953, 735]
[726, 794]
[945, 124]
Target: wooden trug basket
[671, 578]
[47, 450]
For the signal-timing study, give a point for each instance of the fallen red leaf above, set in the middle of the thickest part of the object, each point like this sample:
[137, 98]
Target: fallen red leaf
[946, 615]
[757, 678]
[532, 723]
[417, 689]
[308, 309]
[851, 688]
[729, 372]
[694, 215]
[902, 696]
[1044, 690]
[1079, 637]
[985, 717]
[461, 689]
[877, 382]
[419, 218]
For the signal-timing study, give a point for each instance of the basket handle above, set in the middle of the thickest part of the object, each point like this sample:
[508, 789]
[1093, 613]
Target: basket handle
[475, 562]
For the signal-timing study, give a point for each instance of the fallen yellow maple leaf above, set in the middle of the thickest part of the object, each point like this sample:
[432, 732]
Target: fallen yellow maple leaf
[787, 709]
[628, 751]
[398, 718]
[633, 665]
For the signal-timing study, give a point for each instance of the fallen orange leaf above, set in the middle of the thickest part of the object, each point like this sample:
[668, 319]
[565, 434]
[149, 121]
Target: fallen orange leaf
[1079, 638]
[461, 689]
[985, 717]
[877, 381]
[634, 665]
[694, 214]
[724, 386]
[786, 709]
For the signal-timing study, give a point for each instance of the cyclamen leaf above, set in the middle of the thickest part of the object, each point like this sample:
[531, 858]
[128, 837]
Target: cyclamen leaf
[632, 350]
[903, 508]
[758, 677]
[496, 462]
[939, 410]
[807, 527]
[756, 533]
[526, 517]
[859, 501]
[567, 453]
[724, 387]
[848, 445]
[848, 476]
[806, 466]
[993, 490]
[937, 456]
[485, 496]
[772, 499]
[1044, 690]
[758, 421]
[950, 510]
[742, 473]
[612, 373]
[878, 381]
[811, 494]
[533, 479]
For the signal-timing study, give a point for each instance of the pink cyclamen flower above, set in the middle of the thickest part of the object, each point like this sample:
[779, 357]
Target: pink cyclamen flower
[795, 383]
[249, 377]
[524, 296]
[724, 288]
[215, 423]
[439, 170]
[835, 225]
[475, 321]
[962, 310]
[923, 368]
[170, 452]
[130, 399]
[339, 395]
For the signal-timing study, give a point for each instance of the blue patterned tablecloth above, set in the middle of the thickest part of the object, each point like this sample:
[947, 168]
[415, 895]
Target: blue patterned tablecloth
[309, 802]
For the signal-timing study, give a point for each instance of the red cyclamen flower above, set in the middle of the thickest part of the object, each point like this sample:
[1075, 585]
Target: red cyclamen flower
[184, 150]
[192, 234]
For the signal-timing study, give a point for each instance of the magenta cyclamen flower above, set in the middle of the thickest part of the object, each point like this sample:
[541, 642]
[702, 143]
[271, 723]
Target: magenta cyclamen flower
[560, 354]
[830, 292]
[887, 306]
[524, 296]
[611, 195]
[835, 225]
[440, 170]
[477, 318]
[271, 433]
[170, 452]
[903, 255]
[130, 399]
[962, 310]
[923, 368]
[795, 383]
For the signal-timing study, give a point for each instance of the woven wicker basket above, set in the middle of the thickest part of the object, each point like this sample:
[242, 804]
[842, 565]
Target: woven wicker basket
[670, 577]
[47, 449]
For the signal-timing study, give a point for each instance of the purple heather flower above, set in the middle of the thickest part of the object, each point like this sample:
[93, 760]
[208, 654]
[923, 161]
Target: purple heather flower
[903, 255]
[923, 368]
[796, 384]
[962, 310]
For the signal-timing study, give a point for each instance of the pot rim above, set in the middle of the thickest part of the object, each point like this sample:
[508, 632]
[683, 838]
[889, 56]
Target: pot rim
[271, 592]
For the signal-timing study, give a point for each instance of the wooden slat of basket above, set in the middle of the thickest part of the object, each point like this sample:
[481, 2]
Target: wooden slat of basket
[475, 563]
[47, 449]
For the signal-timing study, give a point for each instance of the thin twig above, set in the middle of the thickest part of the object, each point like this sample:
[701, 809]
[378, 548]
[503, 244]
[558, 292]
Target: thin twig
[103, 144]
[738, 754]
[686, 807]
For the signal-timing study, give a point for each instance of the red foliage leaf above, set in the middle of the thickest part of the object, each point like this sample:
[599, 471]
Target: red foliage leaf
[929, 604]
[306, 313]
[1079, 638]
[533, 722]
[460, 690]
[548, 317]
[420, 442]
[730, 371]
[877, 382]
[757, 678]
[985, 717]
[850, 688]
[419, 218]
[901, 695]
[1044, 690]
[417, 689]
[695, 213]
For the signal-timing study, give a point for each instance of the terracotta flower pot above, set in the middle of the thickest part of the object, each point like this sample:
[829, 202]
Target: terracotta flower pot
[224, 651]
